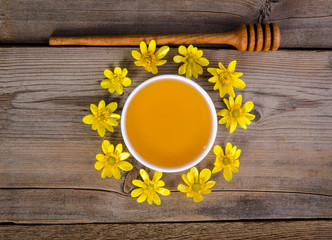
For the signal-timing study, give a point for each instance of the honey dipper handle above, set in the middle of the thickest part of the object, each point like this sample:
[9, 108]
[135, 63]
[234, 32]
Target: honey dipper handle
[237, 38]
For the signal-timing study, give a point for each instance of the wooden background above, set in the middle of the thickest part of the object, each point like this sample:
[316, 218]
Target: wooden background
[48, 185]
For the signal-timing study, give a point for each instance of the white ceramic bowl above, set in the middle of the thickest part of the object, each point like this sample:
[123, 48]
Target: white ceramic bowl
[213, 116]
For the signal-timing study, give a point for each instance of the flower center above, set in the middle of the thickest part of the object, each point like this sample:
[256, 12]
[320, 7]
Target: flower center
[190, 60]
[225, 161]
[235, 113]
[149, 59]
[150, 188]
[225, 78]
[111, 160]
[116, 80]
[103, 116]
[196, 187]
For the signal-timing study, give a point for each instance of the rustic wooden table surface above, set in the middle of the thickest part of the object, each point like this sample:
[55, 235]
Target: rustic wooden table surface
[49, 188]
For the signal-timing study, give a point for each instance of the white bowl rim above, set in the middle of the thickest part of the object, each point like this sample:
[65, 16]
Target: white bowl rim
[212, 111]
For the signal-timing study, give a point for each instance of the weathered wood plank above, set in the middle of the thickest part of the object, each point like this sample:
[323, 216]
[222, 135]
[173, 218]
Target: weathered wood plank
[89, 206]
[286, 152]
[203, 230]
[305, 25]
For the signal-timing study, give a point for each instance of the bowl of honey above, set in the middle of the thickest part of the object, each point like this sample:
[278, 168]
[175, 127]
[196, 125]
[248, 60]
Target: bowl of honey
[169, 123]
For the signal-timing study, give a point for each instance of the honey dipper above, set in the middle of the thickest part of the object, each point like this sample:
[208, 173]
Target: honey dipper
[245, 38]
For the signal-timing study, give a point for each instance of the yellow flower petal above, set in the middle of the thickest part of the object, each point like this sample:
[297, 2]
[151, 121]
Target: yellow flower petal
[233, 127]
[191, 178]
[93, 109]
[118, 71]
[183, 188]
[198, 198]
[150, 199]
[224, 120]
[119, 89]
[152, 46]
[108, 73]
[139, 183]
[144, 175]
[160, 183]
[210, 184]
[199, 54]
[115, 116]
[164, 191]
[249, 116]
[124, 156]
[157, 175]
[248, 106]
[143, 47]
[227, 174]
[104, 173]
[213, 71]
[142, 198]
[116, 173]
[236, 163]
[105, 146]
[101, 131]
[205, 175]
[112, 106]
[217, 169]
[237, 154]
[126, 82]
[238, 83]
[194, 172]
[162, 52]
[160, 62]
[99, 165]
[105, 83]
[227, 103]
[88, 119]
[234, 169]
[178, 59]
[136, 192]
[231, 66]
[101, 105]
[228, 148]
[183, 50]
[182, 69]
[223, 113]
[231, 102]
[203, 61]
[213, 79]
[238, 100]
[119, 148]
[124, 72]
[109, 128]
[100, 157]
[136, 55]
[125, 166]
[222, 67]
[156, 199]
[185, 179]
[241, 122]
[218, 150]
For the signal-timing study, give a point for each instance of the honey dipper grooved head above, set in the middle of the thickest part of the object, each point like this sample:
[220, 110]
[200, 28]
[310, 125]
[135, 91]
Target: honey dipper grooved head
[264, 37]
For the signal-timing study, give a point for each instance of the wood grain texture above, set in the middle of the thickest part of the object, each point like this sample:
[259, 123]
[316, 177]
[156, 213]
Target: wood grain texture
[202, 230]
[47, 154]
[305, 25]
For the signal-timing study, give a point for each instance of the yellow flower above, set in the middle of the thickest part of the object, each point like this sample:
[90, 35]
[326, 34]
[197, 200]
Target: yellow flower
[226, 79]
[197, 184]
[148, 58]
[102, 117]
[192, 60]
[112, 160]
[229, 161]
[235, 114]
[149, 189]
[115, 80]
